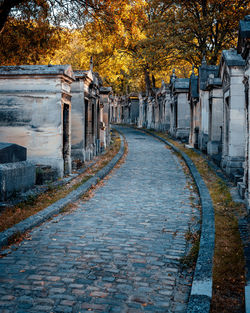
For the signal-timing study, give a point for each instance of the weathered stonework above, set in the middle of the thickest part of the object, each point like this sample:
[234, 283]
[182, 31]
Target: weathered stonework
[142, 111]
[180, 110]
[115, 109]
[204, 72]
[35, 112]
[244, 49]
[162, 110]
[150, 112]
[193, 97]
[16, 177]
[78, 117]
[105, 93]
[92, 85]
[133, 101]
[215, 122]
[233, 136]
[16, 174]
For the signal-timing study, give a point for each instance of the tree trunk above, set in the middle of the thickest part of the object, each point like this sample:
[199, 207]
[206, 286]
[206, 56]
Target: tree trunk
[204, 7]
[5, 8]
[153, 81]
[147, 81]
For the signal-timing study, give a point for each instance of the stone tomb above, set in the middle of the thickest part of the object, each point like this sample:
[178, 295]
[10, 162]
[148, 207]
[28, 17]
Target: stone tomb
[233, 136]
[35, 112]
[215, 122]
[115, 109]
[163, 99]
[204, 72]
[16, 174]
[150, 112]
[193, 97]
[105, 100]
[92, 85]
[180, 110]
[142, 111]
[134, 108]
[78, 114]
[244, 49]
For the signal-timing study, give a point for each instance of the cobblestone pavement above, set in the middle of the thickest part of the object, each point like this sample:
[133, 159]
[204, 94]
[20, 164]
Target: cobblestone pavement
[118, 252]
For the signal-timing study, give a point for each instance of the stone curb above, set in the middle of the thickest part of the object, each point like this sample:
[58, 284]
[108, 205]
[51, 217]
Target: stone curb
[201, 292]
[56, 207]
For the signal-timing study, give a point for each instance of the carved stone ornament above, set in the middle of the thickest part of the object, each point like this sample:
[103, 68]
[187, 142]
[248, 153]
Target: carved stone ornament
[226, 79]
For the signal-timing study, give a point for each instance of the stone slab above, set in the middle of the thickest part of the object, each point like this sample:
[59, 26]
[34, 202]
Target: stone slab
[16, 177]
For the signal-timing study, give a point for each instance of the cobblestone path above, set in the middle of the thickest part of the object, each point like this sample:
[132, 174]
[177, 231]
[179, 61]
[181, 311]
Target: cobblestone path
[118, 252]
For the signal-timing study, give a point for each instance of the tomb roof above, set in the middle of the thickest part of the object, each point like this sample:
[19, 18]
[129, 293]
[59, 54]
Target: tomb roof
[181, 83]
[232, 58]
[244, 37]
[17, 70]
[244, 27]
[105, 90]
[204, 72]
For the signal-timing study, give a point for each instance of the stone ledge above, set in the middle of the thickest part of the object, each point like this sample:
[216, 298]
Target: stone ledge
[56, 207]
[200, 298]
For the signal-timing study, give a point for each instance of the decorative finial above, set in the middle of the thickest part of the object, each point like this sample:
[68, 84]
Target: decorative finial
[204, 62]
[173, 76]
[91, 64]
[192, 71]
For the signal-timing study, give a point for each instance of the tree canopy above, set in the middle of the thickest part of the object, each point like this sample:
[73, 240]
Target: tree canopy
[130, 40]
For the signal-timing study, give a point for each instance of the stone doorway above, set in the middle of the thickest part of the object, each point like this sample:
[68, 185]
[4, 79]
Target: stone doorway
[66, 140]
[176, 116]
[227, 120]
[210, 126]
[246, 167]
[86, 123]
[93, 123]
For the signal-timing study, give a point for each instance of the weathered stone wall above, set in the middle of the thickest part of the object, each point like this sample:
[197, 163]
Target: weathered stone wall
[32, 116]
[78, 120]
[134, 111]
[215, 121]
[233, 139]
[183, 116]
[204, 107]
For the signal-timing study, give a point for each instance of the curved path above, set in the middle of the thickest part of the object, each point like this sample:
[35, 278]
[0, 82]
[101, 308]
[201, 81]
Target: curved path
[118, 252]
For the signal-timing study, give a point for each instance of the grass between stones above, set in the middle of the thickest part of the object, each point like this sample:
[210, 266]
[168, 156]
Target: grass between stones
[229, 261]
[15, 214]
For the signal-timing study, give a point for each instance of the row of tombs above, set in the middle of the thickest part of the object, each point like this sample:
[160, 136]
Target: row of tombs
[51, 118]
[209, 111]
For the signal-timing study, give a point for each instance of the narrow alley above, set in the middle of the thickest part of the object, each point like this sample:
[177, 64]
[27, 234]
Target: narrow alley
[119, 251]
